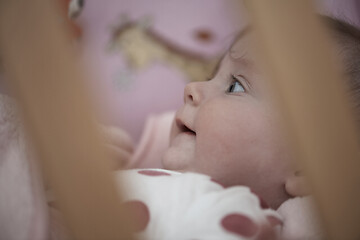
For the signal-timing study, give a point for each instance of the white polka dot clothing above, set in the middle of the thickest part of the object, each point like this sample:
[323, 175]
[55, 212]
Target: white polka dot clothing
[173, 206]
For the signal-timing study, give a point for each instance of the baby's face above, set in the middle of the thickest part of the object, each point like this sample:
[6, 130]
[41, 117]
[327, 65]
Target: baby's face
[229, 130]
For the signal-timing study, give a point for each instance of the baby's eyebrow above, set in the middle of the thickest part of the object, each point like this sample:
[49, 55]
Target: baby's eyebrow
[241, 58]
[244, 61]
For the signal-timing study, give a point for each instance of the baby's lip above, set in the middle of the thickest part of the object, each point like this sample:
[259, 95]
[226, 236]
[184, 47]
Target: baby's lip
[183, 127]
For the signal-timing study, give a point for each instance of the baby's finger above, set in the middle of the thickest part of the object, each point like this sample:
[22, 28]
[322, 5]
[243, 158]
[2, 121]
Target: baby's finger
[117, 137]
[297, 186]
[119, 157]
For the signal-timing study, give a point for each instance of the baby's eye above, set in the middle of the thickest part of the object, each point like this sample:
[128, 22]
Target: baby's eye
[235, 86]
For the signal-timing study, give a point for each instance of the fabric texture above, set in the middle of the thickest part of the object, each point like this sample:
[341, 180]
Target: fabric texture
[171, 205]
[23, 209]
[300, 220]
[153, 142]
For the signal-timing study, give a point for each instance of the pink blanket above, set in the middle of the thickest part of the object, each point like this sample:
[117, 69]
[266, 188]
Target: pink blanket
[23, 210]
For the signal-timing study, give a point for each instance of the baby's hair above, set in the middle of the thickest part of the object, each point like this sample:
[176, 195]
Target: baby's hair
[347, 39]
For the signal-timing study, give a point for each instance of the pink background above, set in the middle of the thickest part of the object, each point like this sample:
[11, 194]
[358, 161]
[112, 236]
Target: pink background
[157, 88]
[126, 98]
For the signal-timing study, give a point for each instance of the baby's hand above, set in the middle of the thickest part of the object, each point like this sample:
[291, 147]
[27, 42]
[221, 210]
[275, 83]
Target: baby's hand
[119, 144]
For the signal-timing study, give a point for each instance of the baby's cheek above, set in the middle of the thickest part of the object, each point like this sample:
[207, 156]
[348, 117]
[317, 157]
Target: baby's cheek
[235, 137]
[231, 138]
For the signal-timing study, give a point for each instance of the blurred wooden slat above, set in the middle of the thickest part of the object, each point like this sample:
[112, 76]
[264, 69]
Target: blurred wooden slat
[45, 77]
[311, 93]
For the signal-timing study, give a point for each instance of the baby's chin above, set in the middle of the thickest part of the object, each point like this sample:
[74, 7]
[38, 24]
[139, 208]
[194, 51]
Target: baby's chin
[180, 154]
[177, 159]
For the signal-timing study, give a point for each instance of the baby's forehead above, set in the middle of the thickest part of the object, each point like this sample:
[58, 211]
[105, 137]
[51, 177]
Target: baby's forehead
[239, 55]
[242, 46]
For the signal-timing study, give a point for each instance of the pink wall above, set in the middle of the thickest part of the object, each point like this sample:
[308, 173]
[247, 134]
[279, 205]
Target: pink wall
[157, 88]
[126, 97]
[127, 102]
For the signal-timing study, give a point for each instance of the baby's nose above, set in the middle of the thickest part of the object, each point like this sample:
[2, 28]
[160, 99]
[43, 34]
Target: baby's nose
[193, 93]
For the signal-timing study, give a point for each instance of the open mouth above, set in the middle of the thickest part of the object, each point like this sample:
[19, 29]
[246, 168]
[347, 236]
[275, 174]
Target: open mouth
[183, 128]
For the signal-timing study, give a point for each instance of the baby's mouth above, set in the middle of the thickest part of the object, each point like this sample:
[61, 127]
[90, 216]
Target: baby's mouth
[188, 130]
[184, 129]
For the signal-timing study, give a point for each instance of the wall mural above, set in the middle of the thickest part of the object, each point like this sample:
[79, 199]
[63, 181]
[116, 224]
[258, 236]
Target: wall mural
[141, 46]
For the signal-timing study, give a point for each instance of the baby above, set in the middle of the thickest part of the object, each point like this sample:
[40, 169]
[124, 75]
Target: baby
[229, 129]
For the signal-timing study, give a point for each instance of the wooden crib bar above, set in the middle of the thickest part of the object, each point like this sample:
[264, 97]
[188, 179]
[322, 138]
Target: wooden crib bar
[45, 77]
[310, 90]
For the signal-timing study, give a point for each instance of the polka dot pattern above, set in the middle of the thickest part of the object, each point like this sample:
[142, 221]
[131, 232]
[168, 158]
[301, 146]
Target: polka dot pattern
[153, 173]
[140, 212]
[239, 224]
[153, 202]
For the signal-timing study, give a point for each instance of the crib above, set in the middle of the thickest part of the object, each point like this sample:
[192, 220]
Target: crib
[63, 158]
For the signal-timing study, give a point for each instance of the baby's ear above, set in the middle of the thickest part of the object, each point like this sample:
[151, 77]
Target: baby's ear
[296, 186]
